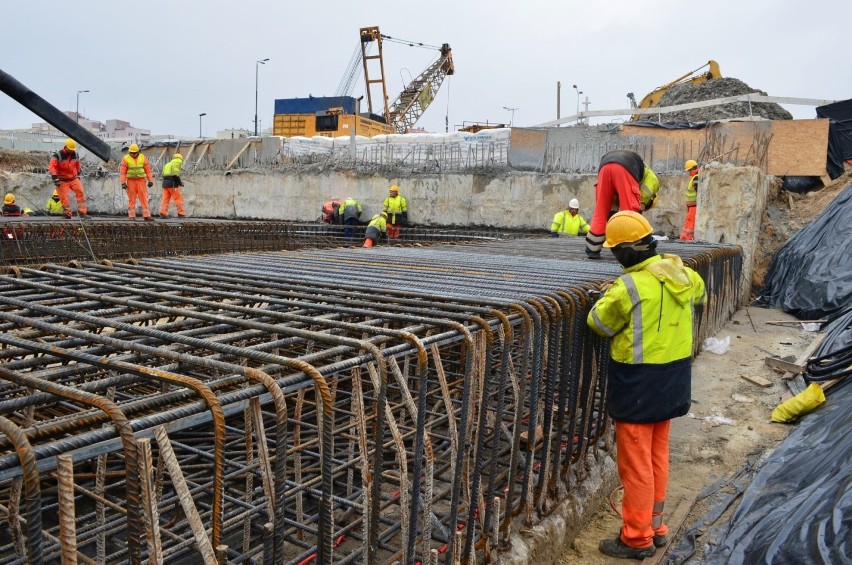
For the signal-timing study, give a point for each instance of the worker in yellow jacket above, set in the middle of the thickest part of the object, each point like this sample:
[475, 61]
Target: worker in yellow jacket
[397, 209]
[569, 221]
[648, 315]
[132, 172]
[378, 225]
[54, 205]
[171, 187]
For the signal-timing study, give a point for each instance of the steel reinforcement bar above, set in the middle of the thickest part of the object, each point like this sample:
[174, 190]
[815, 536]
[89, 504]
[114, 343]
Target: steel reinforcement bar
[339, 406]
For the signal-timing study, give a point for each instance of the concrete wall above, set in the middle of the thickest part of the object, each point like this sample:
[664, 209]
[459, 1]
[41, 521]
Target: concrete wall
[513, 200]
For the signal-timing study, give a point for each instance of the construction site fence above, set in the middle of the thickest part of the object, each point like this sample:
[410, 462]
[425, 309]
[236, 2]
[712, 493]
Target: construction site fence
[382, 405]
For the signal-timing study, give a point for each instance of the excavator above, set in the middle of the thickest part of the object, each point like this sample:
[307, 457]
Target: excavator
[335, 116]
[697, 76]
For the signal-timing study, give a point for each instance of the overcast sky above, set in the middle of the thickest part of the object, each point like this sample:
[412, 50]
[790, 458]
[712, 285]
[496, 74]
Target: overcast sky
[159, 64]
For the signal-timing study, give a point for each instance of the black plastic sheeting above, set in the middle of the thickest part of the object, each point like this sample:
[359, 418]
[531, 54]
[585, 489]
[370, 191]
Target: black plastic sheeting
[811, 275]
[833, 358]
[798, 508]
[839, 134]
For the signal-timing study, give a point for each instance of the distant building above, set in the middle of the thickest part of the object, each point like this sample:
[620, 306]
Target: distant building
[112, 130]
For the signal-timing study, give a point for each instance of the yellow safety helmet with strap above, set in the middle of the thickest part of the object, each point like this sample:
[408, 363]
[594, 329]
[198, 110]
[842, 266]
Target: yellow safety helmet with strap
[133, 148]
[626, 227]
[178, 156]
[9, 199]
[70, 144]
[394, 188]
[689, 165]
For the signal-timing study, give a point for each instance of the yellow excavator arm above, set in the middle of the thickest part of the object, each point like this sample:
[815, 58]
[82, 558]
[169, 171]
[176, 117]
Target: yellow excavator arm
[697, 76]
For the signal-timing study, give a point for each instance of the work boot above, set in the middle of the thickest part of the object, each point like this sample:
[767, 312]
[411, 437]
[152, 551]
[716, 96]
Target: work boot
[593, 254]
[660, 541]
[148, 219]
[68, 215]
[163, 216]
[617, 548]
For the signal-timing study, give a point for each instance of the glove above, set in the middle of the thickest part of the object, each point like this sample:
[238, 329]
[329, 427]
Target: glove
[124, 185]
[150, 184]
[56, 180]
[554, 234]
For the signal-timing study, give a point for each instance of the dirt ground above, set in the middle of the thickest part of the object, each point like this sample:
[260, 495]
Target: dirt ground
[704, 446]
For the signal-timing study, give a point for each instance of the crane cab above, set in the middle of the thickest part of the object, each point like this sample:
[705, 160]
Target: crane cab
[327, 116]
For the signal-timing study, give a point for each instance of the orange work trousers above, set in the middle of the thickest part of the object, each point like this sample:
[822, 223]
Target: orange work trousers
[76, 187]
[369, 242]
[643, 466]
[393, 231]
[688, 231]
[137, 188]
[168, 194]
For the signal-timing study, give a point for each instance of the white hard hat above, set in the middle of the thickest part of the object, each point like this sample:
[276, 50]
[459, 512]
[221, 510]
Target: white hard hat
[574, 203]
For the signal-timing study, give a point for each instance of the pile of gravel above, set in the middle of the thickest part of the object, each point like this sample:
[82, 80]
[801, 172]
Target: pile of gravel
[718, 88]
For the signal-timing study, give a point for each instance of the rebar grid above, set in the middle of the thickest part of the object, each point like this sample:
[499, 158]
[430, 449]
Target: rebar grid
[341, 406]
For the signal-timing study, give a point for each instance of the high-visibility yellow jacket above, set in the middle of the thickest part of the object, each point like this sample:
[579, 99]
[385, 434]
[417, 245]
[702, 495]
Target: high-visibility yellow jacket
[137, 168]
[564, 222]
[350, 208]
[53, 206]
[648, 313]
[649, 186]
[692, 191]
[395, 206]
[171, 173]
[378, 221]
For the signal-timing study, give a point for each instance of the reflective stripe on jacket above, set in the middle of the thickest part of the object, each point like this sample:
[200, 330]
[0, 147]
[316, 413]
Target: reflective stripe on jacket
[393, 206]
[648, 313]
[564, 222]
[65, 165]
[692, 191]
[131, 168]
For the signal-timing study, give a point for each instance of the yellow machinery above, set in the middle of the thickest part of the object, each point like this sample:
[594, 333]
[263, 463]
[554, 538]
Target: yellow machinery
[339, 115]
[692, 77]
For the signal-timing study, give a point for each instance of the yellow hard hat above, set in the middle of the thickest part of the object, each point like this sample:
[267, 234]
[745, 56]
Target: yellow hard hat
[384, 214]
[9, 199]
[178, 156]
[626, 227]
[70, 144]
[394, 188]
[133, 148]
[55, 193]
[689, 165]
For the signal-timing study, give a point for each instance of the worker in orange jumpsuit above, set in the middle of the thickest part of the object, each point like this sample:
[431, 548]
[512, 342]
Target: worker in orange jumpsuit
[132, 172]
[64, 169]
[648, 315]
[688, 231]
[617, 188]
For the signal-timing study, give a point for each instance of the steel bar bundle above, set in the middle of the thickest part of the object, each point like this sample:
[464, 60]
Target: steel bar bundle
[332, 406]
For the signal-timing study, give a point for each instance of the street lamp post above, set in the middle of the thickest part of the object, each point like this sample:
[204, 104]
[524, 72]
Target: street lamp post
[201, 115]
[512, 119]
[579, 92]
[256, 74]
[77, 113]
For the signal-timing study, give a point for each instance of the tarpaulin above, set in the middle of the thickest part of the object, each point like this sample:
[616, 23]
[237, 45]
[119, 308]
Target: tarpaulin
[798, 508]
[811, 275]
[839, 134]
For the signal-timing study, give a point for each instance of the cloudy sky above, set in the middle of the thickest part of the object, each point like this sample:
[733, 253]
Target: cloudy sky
[159, 64]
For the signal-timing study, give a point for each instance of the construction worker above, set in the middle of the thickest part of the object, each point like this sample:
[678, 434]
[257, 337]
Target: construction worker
[648, 314]
[350, 211]
[54, 206]
[569, 221]
[378, 225]
[64, 169]
[617, 188]
[132, 172]
[649, 186]
[10, 209]
[171, 187]
[688, 231]
[397, 208]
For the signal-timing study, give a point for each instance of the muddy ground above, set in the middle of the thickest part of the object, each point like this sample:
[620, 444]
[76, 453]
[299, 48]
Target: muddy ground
[703, 449]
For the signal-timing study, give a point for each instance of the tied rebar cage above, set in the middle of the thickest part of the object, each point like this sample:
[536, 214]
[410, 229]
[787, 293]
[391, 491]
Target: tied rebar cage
[367, 405]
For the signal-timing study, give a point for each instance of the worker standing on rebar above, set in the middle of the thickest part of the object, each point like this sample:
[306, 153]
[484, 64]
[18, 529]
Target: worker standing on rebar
[132, 172]
[569, 221]
[64, 169]
[688, 231]
[54, 205]
[378, 225]
[350, 212]
[10, 209]
[171, 187]
[617, 189]
[648, 314]
[397, 209]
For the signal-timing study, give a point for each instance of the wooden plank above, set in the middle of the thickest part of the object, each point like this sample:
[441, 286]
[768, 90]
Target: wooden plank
[237, 156]
[803, 358]
[782, 365]
[759, 381]
[675, 523]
